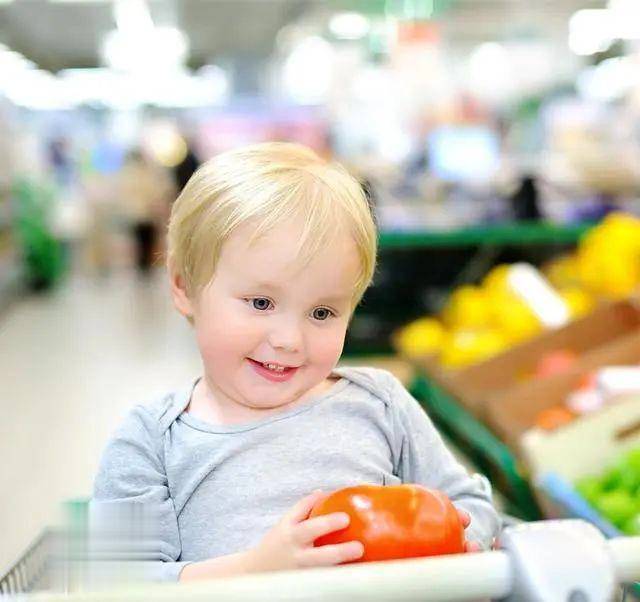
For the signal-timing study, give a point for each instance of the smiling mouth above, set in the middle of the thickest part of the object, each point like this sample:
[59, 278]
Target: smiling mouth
[273, 366]
[272, 371]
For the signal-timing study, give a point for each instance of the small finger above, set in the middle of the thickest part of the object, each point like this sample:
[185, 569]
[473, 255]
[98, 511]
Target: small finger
[300, 511]
[465, 517]
[309, 530]
[333, 554]
[472, 547]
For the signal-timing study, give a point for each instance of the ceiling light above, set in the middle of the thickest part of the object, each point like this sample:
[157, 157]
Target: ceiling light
[159, 48]
[132, 16]
[625, 15]
[591, 31]
[308, 71]
[349, 26]
[11, 62]
[36, 89]
[609, 80]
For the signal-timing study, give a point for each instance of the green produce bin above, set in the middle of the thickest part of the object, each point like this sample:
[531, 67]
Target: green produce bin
[488, 453]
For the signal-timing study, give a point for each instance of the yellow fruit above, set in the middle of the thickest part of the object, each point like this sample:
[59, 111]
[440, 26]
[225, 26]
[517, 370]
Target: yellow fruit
[465, 347]
[608, 258]
[608, 271]
[467, 308]
[579, 301]
[563, 271]
[593, 262]
[514, 319]
[421, 337]
[621, 277]
[496, 281]
[589, 268]
[622, 229]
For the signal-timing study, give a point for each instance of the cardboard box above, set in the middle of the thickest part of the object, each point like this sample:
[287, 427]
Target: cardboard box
[511, 413]
[476, 385]
[596, 441]
[588, 446]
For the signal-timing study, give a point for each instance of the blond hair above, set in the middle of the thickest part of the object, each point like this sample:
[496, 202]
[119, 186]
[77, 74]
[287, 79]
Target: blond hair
[267, 184]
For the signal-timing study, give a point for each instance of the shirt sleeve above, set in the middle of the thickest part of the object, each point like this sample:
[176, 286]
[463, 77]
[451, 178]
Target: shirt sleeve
[132, 514]
[423, 458]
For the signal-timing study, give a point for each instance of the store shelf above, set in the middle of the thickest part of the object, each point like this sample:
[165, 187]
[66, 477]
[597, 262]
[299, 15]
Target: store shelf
[510, 234]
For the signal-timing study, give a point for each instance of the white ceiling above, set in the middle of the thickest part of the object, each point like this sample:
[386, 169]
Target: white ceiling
[59, 35]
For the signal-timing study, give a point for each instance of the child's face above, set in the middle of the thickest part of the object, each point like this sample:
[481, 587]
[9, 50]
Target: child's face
[262, 307]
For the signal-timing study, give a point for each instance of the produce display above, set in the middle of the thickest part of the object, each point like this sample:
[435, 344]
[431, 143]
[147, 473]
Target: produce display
[554, 417]
[476, 323]
[596, 389]
[555, 362]
[607, 261]
[616, 492]
[403, 521]
[480, 321]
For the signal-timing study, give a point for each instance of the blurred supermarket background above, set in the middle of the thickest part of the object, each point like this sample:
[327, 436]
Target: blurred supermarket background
[498, 139]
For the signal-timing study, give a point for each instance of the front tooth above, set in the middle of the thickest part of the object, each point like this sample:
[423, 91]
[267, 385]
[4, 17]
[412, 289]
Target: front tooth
[274, 367]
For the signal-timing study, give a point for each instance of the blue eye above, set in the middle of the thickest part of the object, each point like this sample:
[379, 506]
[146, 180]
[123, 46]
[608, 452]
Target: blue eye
[261, 303]
[322, 313]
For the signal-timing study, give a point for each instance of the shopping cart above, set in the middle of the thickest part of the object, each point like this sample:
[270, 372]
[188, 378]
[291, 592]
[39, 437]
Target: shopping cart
[34, 570]
[546, 561]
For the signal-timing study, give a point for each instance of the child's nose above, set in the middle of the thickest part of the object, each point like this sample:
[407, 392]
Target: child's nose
[286, 335]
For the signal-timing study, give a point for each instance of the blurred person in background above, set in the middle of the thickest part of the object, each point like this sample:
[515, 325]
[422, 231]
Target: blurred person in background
[525, 201]
[185, 169]
[146, 192]
[59, 156]
[101, 199]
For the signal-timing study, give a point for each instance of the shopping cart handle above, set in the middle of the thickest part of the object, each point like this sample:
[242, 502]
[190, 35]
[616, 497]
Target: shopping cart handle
[547, 560]
[568, 560]
[625, 553]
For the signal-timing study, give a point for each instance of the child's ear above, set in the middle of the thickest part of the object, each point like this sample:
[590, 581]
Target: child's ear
[181, 299]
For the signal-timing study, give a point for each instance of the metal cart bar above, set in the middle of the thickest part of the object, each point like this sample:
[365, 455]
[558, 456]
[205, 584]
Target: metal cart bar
[583, 566]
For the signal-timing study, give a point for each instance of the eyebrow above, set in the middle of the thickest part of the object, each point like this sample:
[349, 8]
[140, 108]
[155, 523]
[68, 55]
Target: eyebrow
[336, 300]
[266, 285]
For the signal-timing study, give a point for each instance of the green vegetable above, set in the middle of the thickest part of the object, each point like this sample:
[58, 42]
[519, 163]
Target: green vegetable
[618, 506]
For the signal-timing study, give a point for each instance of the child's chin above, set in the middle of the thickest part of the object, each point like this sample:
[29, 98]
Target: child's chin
[258, 400]
[270, 404]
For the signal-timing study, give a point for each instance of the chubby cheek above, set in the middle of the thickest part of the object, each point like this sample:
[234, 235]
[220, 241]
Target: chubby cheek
[325, 351]
[225, 340]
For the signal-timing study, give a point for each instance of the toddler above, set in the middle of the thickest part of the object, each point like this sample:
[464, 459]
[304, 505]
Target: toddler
[270, 250]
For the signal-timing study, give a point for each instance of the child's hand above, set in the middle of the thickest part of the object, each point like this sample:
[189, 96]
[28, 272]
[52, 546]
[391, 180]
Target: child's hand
[289, 545]
[469, 546]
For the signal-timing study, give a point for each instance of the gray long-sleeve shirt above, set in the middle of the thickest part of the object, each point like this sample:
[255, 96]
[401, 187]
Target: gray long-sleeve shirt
[211, 490]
